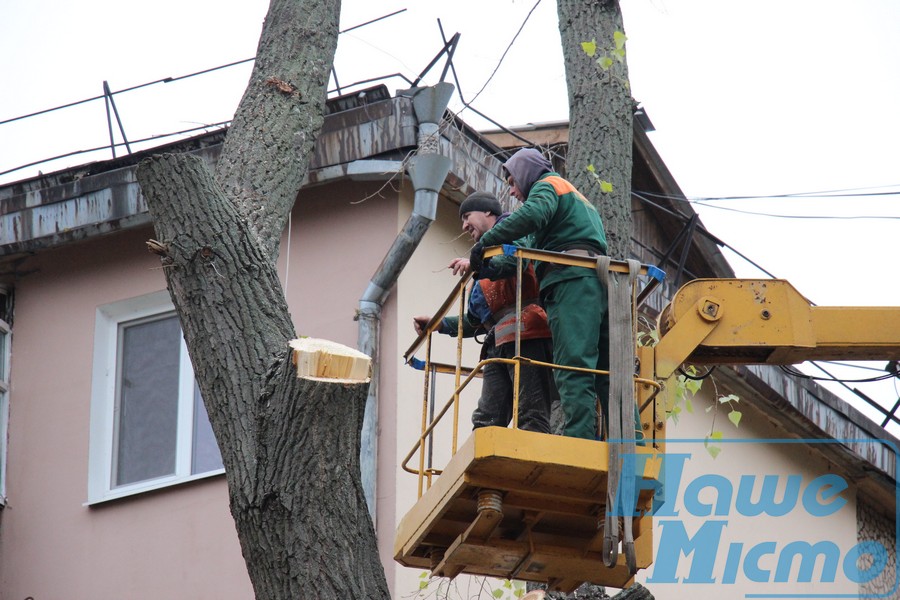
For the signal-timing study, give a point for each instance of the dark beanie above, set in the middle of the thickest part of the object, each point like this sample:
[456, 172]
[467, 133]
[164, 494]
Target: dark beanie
[480, 202]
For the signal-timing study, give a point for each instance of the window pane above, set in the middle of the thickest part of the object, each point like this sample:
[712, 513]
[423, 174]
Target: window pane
[147, 408]
[206, 455]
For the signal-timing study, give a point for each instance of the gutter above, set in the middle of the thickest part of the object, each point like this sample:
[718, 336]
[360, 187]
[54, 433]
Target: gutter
[427, 169]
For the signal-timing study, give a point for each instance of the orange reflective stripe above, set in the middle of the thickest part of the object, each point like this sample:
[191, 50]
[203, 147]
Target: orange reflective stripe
[562, 187]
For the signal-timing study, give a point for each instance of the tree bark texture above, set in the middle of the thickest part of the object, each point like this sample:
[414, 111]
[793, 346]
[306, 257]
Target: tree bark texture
[290, 446]
[280, 115]
[600, 114]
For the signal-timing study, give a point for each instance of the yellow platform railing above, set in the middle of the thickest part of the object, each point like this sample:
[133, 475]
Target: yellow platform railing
[464, 375]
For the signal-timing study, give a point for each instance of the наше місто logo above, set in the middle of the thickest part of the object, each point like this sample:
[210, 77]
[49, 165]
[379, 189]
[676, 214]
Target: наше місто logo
[754, 529]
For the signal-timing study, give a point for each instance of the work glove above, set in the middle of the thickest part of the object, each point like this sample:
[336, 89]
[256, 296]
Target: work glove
[476, 260]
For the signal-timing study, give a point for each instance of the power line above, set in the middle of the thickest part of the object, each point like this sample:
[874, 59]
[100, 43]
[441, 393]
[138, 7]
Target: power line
[795, 373]
[396, 12]
[840, 193]
[505, 52]
[130, 89]
[800, 195]
[106, 147]
[815, 217]
[702, 231]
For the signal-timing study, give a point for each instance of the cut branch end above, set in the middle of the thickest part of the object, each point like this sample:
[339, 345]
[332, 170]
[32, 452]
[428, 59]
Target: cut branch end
[326, 360]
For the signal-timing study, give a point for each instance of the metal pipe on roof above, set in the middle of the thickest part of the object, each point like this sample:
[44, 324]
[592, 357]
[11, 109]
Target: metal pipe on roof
[428, 169]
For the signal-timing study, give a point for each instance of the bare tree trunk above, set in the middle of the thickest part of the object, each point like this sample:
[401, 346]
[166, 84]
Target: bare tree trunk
[274, 131]
[600, 114]
[290, 446]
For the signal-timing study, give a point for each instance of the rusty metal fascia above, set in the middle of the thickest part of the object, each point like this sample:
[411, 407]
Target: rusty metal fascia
[474, 166]
[80, 203]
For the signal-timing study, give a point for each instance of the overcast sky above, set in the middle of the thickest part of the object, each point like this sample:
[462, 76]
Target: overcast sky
[759, 98]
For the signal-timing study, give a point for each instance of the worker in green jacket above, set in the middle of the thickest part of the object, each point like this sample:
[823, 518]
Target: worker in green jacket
[559, 218]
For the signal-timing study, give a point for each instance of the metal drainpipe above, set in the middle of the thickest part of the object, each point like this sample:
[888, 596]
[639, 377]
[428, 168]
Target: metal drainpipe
[427, 170]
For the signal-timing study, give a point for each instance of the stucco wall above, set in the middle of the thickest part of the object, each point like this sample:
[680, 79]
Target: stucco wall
[161, 544]
[750, 450]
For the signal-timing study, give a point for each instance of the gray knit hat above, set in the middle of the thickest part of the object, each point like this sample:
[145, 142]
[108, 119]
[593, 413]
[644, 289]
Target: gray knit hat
[480, 201]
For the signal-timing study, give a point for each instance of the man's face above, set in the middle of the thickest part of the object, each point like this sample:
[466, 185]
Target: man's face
[475, 223]
[514, 189]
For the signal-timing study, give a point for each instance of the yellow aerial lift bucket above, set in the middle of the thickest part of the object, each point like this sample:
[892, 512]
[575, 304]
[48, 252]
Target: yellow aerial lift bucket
[516, 504]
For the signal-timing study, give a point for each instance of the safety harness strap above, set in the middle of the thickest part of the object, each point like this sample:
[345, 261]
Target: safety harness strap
[620, 500]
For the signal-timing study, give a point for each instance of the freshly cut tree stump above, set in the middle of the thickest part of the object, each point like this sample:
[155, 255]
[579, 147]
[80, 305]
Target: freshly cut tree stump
[323, 359]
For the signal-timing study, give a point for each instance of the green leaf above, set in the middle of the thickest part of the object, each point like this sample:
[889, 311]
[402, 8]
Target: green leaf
[619, 54]
[711, 448]
[498, 593]
[606, 187]
[591, 169]
[673, 414]
[728, 398]
[423, 575]
[507, 584]
[619, 38]
[648, 339]
[423, 585]
[605, 62]
[590, 48]
[688, 405]
[693, 385]
[735, 417]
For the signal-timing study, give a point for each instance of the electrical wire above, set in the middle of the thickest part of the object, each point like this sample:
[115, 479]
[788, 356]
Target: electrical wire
[853, 365]
[795, 373]
[106, 147]
[837, 193]
[130, 89]
[505, 52]
[814, 217]
[687, 375]
[703, 232]
[800, 195]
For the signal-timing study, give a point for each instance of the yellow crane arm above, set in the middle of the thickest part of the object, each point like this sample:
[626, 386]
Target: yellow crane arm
[767, 321]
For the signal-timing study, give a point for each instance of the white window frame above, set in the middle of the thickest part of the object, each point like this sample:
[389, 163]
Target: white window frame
[103, 402]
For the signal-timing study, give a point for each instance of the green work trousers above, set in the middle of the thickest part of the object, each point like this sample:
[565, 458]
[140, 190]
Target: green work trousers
[577, 314]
